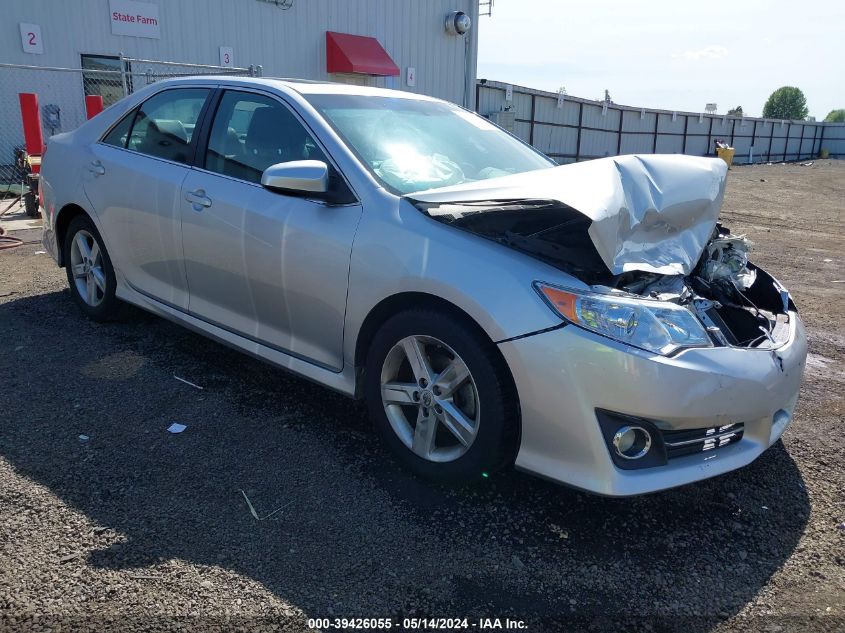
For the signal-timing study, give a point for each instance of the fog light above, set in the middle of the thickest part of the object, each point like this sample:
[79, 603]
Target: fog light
[632, 442]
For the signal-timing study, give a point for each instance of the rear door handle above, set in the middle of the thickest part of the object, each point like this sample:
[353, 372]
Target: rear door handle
[198, 199]
[96, 168]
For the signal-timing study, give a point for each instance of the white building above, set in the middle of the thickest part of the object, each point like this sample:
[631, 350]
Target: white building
[405, 45]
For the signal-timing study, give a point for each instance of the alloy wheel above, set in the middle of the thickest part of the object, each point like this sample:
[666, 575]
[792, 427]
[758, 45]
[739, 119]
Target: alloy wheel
[430, 398]
[86, 263]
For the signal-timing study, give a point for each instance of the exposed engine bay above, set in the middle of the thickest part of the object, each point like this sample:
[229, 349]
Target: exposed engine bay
[739, 304]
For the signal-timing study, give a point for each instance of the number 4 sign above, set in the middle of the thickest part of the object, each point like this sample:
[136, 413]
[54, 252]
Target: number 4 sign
[226, 55]
[31, 39]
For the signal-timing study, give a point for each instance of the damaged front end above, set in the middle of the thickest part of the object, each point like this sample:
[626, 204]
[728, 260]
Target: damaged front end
[642, 233]
[739, 304]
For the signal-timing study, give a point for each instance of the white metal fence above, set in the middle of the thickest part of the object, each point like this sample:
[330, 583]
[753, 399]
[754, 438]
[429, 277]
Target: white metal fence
[574, 129]
[61, 98]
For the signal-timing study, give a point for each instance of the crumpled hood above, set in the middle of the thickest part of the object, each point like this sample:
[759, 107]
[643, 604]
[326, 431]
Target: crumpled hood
[650, 212]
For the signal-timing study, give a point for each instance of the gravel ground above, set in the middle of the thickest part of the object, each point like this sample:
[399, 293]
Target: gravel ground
[138, 528]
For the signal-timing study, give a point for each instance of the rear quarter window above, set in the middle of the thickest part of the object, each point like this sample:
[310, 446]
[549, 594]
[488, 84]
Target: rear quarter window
[119, 134]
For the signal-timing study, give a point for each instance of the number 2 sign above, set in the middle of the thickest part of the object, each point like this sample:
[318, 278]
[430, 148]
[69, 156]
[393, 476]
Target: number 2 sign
[31, 38]
[226, 54]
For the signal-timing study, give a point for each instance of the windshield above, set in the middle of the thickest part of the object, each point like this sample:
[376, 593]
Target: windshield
[411, 145]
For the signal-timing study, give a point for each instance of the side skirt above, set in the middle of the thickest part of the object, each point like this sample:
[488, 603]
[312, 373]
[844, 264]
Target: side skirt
[342, 381]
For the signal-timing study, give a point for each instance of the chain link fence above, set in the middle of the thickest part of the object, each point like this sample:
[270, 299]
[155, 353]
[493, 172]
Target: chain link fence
[61, 99]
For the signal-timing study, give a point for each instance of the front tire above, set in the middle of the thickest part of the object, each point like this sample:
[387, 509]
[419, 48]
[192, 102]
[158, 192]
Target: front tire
[90, 273]
[441, 397]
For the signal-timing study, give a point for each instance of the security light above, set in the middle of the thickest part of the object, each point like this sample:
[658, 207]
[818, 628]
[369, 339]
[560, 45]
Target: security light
[458, 23]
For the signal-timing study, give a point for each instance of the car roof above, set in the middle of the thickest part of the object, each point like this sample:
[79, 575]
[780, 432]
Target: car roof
[302, 86]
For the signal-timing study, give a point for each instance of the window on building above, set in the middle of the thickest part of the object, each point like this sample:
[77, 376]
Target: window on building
[252, 132]
[354, 79]
[109, 84]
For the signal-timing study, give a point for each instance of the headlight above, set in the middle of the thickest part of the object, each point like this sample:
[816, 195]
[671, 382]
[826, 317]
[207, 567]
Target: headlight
[655, 326]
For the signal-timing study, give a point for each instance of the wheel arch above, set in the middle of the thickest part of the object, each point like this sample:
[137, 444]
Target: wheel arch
[395, 304]
[63, 219]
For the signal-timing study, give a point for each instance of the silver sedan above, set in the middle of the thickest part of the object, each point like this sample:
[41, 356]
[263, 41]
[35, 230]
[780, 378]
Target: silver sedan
[590, 323]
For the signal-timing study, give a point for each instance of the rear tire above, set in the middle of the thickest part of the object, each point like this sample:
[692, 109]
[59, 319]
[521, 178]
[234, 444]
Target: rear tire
[90, 273]
[31, 205]
[441, 397]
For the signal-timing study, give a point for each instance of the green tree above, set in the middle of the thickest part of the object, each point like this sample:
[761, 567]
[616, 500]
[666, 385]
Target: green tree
[836, 116]
[786, 102]
[737, 111]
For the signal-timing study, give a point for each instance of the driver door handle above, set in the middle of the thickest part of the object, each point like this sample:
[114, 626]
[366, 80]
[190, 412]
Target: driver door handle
[198, 199]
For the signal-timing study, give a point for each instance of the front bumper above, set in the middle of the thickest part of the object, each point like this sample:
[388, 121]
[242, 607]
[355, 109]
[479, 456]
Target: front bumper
[564, 375]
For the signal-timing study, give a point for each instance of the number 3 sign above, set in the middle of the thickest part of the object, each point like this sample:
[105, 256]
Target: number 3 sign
[226, 54]
[31, 39]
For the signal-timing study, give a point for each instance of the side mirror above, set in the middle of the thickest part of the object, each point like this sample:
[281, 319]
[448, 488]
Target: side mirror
[298, 177]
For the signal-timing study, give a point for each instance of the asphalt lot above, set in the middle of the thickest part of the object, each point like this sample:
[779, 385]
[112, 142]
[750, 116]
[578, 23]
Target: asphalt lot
[140, 528]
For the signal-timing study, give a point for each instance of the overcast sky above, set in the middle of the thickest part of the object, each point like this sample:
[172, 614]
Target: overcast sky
[676, 55]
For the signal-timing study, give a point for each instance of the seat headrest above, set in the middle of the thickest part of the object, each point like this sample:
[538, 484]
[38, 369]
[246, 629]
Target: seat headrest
[169, 127]
[275, 131]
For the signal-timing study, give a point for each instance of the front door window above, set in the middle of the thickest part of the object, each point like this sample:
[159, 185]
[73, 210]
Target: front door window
[252, 132]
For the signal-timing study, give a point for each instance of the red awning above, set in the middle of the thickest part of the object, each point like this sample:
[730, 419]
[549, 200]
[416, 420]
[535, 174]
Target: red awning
[347, 53]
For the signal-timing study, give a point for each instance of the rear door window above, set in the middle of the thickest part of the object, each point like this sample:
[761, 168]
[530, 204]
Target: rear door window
[164, 125]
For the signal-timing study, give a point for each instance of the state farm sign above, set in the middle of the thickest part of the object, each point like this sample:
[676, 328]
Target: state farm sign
[139, 19]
